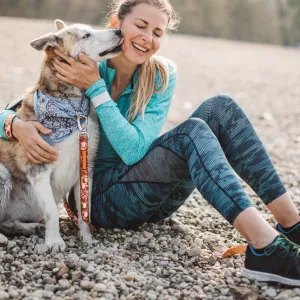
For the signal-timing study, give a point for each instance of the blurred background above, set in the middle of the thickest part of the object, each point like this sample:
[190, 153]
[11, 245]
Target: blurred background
[263, 21]
[247, 49]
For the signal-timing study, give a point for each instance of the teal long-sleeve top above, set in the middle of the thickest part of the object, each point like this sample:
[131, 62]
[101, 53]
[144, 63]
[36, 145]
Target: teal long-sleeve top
[119, 139]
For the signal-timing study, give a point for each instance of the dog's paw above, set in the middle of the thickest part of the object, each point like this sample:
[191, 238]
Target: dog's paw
[87, 238]
[55, 245]
[90, 241]
[51, 245]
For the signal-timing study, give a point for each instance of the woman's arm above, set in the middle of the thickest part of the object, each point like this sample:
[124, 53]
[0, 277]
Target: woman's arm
[3, 116]
[132, 141]
[27, 133]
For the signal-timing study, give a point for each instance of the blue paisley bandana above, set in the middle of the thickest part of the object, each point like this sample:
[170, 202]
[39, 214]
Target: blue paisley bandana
[59, 115]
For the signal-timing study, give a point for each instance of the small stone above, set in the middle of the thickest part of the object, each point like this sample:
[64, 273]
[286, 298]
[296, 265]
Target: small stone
[212, 259]
[100, 287]
[72, 260]
[271, 292]
[62, 270]
[86, 285]
[194, 252]
[3, 240]
[285, 295]
[76, 275]
[224, 292]
[148, 235]
[129, 277]
[90, 269]
[64, 284]
[182, 250]
[9, 258]
[4, 295]
[230, 264]
[198, 242]
[41, 249]
[13, 293]
[151, 295]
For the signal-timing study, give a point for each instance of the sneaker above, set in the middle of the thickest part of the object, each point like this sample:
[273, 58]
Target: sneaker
[280, 262]
[293, 234]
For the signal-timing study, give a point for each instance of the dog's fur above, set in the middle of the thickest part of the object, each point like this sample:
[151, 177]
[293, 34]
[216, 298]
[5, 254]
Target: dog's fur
[29, 192]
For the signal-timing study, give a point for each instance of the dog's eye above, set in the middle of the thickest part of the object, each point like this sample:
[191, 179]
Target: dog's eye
[86, 36]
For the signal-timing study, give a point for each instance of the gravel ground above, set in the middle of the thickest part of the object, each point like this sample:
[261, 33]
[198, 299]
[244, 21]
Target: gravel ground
[178, 258]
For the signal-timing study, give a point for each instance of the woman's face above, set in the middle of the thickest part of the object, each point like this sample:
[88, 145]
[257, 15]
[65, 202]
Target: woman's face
[143, 30]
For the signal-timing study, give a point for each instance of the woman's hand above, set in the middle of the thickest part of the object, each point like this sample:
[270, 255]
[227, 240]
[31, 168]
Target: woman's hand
[80, 74]
[35, 148]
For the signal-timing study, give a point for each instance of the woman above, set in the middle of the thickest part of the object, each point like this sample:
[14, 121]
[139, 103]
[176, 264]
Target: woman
[140, 177]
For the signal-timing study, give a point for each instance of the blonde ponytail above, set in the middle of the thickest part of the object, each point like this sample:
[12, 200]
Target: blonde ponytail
[146, 85]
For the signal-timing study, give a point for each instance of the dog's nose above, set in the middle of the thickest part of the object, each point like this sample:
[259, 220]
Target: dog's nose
[118, 33]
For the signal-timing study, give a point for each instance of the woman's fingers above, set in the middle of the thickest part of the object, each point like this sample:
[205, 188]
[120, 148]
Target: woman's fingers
[42, 144]
[67, 58]
[44, 155]
[61, 70]
[32, 159]
[41, 128]
[63, 78]
[86, 60]
[39, 154]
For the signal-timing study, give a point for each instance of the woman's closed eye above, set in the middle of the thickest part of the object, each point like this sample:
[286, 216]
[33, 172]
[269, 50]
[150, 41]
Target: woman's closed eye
[143, 27]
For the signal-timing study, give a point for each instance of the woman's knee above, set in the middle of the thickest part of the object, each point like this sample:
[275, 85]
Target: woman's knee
[192, 124]
[220, 101]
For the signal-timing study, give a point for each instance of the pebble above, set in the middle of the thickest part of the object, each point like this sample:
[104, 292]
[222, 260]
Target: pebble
[194, 252]
[3, 240]
[285, 295]
[64, 284]
[100, 287]
[271, 292]
[86, 285]
[4, 295]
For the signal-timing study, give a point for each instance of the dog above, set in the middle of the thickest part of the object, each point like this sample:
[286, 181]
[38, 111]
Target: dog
[30, 193]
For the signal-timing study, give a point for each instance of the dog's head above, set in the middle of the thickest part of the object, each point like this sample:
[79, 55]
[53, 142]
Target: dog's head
[96, 44]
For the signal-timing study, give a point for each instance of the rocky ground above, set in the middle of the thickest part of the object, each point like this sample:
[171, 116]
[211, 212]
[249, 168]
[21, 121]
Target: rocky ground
[179, 258]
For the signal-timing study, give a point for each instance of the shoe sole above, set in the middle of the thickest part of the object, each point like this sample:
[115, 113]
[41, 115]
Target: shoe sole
[261, 276]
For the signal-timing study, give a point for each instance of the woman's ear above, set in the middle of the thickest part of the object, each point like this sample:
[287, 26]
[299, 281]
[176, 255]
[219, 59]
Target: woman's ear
[114, 22]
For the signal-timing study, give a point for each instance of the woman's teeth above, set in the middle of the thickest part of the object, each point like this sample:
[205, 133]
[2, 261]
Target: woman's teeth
[139, 48]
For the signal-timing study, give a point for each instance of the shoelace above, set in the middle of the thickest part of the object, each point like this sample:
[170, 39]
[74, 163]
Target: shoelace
[289, 247]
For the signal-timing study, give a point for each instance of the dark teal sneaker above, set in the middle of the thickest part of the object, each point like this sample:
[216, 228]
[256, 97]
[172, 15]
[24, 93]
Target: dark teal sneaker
[280, 262]
[293, 234]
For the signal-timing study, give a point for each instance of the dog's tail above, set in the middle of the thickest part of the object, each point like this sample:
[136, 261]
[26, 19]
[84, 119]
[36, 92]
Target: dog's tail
[5, 190]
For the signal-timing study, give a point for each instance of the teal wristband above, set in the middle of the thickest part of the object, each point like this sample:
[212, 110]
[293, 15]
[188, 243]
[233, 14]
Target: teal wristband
[96, 89]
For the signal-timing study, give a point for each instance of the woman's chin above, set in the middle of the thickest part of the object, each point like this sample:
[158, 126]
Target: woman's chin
[134, 59]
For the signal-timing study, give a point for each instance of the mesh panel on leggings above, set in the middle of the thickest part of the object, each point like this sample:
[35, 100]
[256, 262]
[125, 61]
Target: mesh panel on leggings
[159, 165]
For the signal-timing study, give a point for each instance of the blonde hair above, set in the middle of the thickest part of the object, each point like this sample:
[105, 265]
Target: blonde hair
[146, 85]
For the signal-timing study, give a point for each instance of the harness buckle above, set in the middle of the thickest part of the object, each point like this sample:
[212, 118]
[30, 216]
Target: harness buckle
[83, 127]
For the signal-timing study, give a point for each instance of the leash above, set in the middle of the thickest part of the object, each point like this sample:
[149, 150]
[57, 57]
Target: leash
[83, 138]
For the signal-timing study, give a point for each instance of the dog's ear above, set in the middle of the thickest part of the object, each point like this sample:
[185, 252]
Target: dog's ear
[60, 24]
[48, 40]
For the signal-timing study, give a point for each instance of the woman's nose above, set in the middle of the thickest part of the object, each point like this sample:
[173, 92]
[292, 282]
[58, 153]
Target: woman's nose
[147, 37]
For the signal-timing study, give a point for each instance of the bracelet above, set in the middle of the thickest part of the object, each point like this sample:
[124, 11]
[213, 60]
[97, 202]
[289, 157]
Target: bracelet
[8, 126]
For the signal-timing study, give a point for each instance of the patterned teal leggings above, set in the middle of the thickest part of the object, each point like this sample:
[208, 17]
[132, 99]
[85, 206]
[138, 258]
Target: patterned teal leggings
[201, 153]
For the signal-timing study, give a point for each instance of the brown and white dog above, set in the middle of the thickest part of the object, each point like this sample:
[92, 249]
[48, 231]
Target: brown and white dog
[30, 193]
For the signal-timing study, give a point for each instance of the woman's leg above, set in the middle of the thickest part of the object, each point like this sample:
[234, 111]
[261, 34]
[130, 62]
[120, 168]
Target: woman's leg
[191, 149]
[247, 155]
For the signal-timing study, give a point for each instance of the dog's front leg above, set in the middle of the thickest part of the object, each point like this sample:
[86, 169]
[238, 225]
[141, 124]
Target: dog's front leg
[44, 196]
[84, 230]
